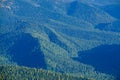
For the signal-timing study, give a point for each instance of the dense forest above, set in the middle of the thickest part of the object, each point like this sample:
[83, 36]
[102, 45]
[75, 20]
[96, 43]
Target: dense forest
[25, 73]
[59, 39]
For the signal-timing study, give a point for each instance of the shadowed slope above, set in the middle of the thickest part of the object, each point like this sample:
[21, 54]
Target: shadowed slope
[104, 58]
[26, 52]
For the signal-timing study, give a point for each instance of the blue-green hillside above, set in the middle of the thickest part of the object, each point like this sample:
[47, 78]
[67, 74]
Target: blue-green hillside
[54, 34]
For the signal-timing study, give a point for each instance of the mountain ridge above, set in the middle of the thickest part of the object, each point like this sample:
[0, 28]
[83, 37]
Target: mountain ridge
[60, 36]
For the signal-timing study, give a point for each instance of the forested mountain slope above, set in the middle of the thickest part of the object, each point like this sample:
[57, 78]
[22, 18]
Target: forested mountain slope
[49, 34]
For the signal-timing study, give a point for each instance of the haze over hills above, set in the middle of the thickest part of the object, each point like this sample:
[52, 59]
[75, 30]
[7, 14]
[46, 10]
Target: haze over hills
[49, 34]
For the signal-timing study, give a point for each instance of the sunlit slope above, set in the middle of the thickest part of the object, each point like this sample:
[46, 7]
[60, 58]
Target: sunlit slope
[32, 73]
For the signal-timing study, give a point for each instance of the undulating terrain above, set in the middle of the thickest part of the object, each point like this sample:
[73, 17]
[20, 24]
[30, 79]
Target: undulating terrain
[64, 39]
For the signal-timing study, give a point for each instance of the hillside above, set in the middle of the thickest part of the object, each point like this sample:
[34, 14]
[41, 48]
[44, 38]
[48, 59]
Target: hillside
[33, 74]
[49, 34]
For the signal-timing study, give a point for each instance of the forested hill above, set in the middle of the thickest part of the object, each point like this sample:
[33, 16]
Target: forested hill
[51, 34]
[25, 73]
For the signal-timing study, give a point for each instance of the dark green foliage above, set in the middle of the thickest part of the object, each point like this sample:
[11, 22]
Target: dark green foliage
[24, 73]
[1, 77]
